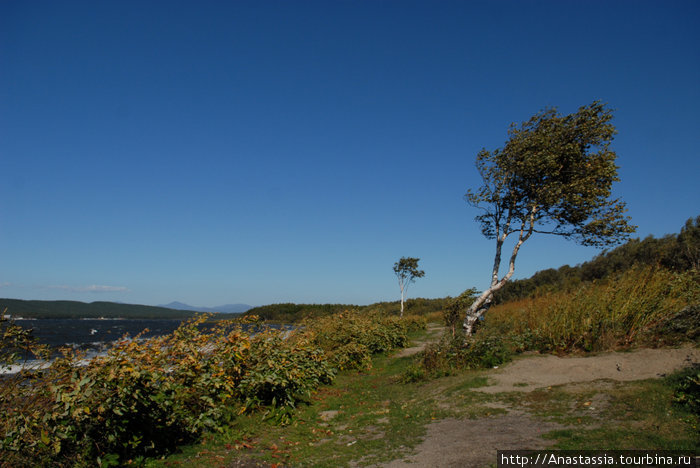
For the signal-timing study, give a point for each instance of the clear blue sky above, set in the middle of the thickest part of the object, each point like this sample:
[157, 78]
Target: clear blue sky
[260, 152]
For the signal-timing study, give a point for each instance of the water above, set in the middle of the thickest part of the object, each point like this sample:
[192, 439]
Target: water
[94, 336]
[86, 332]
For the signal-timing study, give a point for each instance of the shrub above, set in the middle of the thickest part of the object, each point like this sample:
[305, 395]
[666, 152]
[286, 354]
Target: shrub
[454, 311]
[454, 352]
[148, 396]
[281, 372]
[686, 383]
[351, 337]
[351, 356]
[145, 397]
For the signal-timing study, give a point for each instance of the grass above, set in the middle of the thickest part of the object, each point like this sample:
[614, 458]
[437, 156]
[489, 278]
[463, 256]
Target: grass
[613, 415]
[371, 413]
[638, 415]
[636, 307]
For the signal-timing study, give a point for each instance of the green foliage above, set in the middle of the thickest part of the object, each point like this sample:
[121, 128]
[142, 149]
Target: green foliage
[406, 270]
[291, 313]
[17, 343]
[281, 372]
[148, 396]
[296, 313]
[413, 307]
[454, 352]
[686, 385]
[554, 175]
[454, 311]
[351, 338]
[348, 333]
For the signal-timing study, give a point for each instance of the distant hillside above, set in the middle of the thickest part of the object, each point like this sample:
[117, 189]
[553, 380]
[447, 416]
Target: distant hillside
[224, 309]
[289, 312]
[75, 309]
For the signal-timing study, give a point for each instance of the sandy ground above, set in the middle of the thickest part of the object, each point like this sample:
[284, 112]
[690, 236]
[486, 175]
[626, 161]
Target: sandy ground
[474, 442]
[544, 371]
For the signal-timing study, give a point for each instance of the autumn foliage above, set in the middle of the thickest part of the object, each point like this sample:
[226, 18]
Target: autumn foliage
[147, 396]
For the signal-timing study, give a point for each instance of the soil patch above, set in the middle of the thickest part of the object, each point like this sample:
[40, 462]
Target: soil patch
[474, 442]
[525, 375]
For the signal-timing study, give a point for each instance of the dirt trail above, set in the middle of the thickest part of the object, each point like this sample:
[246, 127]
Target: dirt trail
[474, 442]
[434, 334]
[545, 371]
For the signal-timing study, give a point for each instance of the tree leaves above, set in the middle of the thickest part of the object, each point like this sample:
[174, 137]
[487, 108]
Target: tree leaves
[558, 170]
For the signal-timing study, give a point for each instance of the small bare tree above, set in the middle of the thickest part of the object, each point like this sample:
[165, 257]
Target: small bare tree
[406, 270]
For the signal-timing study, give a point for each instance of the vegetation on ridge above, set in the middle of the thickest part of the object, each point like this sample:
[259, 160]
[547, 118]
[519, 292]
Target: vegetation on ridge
[98, 309]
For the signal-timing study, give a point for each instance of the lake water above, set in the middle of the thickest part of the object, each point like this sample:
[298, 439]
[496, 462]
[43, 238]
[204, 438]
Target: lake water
[94, 336]
[93, 332]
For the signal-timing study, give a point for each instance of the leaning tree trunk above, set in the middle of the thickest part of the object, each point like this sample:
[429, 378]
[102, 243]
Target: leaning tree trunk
[483, 302]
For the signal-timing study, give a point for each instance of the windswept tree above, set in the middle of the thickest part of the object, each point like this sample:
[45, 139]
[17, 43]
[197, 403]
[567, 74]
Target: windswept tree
[406, 270]
[553, 176]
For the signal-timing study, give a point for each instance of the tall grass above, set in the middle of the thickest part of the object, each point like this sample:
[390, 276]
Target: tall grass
[633, 307]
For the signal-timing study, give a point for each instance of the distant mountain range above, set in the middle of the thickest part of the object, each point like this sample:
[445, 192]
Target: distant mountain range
[224, 309]
[101, 309]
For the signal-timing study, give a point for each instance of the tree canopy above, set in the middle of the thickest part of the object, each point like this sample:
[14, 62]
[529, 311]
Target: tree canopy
[554, 175]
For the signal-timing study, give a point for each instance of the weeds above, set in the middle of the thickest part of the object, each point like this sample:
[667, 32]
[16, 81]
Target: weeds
[453, 353]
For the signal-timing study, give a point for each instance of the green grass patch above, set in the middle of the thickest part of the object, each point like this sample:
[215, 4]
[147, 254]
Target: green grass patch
[368, 413]
[614, 415]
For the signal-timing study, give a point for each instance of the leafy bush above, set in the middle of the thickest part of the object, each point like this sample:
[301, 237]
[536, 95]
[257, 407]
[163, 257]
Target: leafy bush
[281, 372]
[453, 313]
[296, 313]
[351, 356]
[147, 396]
[351, 337]
[454, 352]
[17, 344]
[686, 383]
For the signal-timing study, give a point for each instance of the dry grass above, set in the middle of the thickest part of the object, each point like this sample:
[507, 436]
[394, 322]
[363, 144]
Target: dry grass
[619, 312]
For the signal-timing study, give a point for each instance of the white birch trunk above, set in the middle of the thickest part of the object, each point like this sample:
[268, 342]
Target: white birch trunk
[483, 302]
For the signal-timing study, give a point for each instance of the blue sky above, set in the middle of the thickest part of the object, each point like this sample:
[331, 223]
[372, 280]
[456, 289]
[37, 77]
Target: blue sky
[260, 152]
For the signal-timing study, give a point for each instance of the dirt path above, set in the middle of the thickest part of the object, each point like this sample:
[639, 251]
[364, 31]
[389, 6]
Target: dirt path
[539, 371]
[474, 442]
[434, 334]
